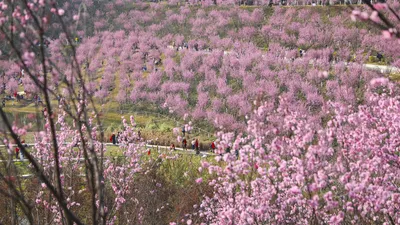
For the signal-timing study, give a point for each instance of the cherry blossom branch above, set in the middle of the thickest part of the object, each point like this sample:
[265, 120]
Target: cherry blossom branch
[38, 170]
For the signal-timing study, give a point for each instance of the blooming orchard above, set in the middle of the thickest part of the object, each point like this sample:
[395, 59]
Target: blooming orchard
[307, 133]
[289, 171]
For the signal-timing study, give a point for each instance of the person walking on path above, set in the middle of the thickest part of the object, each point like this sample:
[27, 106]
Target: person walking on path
[21, 156]
[379, 56]
[196, 145]
[212, 147]
[184, 144]
[193, 144]
[16, 152]
[112, 139]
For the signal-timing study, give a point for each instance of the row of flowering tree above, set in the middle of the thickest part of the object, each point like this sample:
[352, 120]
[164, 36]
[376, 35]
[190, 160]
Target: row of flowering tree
[290, 169]
[226, 74]
[268, 2]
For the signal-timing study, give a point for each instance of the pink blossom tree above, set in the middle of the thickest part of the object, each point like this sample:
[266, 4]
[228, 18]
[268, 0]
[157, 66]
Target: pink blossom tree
[286, 170]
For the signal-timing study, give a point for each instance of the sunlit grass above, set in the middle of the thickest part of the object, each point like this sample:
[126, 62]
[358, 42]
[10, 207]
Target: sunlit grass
[395, 76]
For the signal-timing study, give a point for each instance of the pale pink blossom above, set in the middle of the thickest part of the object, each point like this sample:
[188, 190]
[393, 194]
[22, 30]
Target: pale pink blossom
[374, 17]
[61, 12]
[386, 34]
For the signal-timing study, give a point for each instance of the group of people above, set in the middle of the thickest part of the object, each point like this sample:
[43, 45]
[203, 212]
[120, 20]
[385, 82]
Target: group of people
[195, 146]
[185, 45]
[195, 143]
[37, 99]
[116, 138]
[18, 96]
